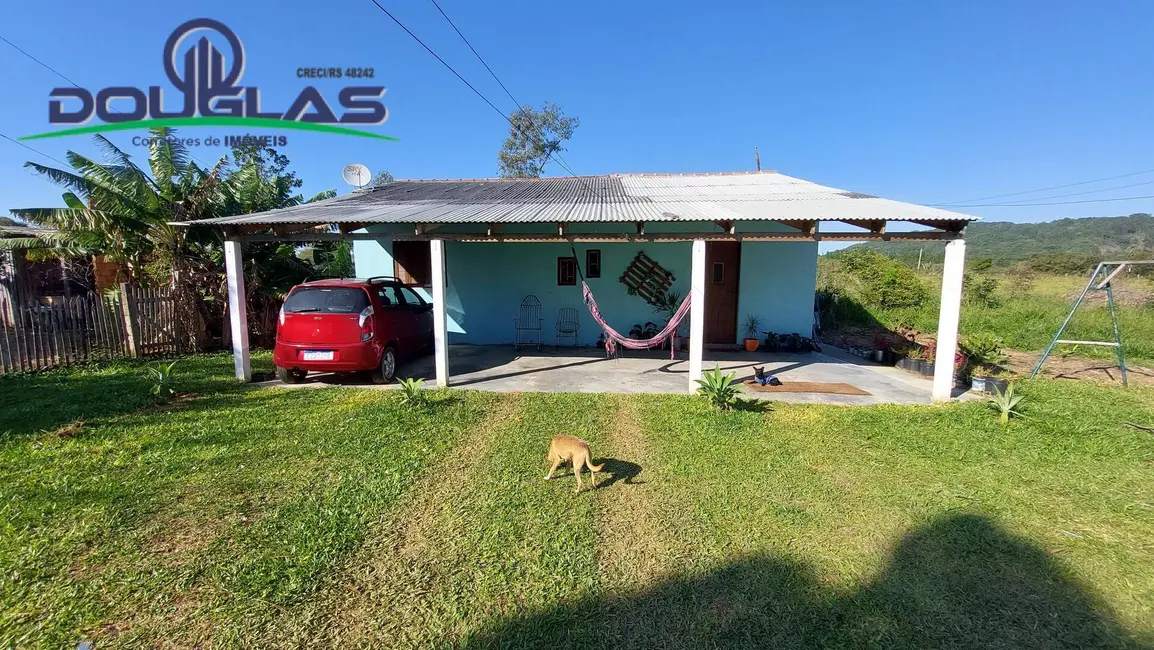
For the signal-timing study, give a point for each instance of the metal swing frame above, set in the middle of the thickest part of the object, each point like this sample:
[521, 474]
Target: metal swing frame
[1107, 271]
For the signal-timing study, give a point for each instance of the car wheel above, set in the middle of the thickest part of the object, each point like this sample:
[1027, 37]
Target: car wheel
[388, 368]
[291, 375]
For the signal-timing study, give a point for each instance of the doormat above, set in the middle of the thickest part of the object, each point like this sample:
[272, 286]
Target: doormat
[806, 387]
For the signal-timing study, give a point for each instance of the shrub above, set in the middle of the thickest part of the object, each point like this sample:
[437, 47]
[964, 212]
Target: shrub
[1064, 263]
[718, 388]
[1006, 404]
[888, 283]
[983, 349]
[411, 393]
[980, 290]
[161, 375]
[979, 264]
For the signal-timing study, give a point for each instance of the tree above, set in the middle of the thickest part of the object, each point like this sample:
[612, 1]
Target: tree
[119, 210]
[534, 136]
[382, 179]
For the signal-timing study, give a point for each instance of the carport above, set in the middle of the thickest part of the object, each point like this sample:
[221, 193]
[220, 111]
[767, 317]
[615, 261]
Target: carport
[624, 210]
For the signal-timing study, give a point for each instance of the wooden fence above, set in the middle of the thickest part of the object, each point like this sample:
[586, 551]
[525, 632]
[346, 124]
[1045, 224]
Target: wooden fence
[36, 334]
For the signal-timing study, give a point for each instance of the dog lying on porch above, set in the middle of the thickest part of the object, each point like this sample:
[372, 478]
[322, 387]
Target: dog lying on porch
[574, 451]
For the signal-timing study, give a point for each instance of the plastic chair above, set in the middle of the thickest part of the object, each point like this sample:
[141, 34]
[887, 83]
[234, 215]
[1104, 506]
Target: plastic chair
[567, 324]
[528, 322]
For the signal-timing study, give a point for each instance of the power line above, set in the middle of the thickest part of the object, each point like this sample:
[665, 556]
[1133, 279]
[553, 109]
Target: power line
[466, 81]
[557, 156]
[76, 85]
[1042, 189]
[1060, 196]
[1029, 205]
[35, 151]
[475, 53]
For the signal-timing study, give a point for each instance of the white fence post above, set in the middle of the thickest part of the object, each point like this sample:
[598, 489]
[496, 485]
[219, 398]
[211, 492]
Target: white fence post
[237, 310]
[440, 333]
[948, 317]
[696, 313]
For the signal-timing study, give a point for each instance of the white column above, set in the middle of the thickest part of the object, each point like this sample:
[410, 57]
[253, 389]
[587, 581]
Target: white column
[950, 311]
[440, 335]
[237, 310]
[696, 312]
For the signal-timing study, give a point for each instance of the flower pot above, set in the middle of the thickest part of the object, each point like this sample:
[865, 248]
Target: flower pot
[912, 365]
[996, 385]
[928, 368]
[978, 384]
[751, 345]
[879, 356]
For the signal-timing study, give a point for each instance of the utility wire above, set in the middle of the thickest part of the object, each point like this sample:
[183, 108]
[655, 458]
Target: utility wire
[466, 81]
[1042, 189]
[76, 85]
[557, 156]
[1060, 196]
[35, 151]
[1029, 205]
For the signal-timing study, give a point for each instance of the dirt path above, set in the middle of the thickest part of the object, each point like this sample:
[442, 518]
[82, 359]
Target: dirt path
[392, 577]
[636, 547]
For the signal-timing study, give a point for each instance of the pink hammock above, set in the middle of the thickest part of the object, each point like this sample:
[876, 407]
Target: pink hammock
[613, 337]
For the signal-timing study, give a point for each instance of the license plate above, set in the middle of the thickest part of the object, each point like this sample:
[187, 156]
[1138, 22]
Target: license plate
[317, 355]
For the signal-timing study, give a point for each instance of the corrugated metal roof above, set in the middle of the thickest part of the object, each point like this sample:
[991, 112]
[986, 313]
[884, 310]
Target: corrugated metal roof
[738, 196]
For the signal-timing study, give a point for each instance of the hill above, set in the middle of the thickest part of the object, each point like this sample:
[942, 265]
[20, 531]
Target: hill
[1005, 243]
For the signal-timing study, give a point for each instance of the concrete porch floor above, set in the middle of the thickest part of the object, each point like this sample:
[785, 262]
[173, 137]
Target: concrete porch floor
[586, 370]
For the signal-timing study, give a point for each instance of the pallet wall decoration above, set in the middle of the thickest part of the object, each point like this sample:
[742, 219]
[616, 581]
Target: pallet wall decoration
[647, 279]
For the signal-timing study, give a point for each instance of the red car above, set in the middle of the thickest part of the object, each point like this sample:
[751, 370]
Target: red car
[350, 326]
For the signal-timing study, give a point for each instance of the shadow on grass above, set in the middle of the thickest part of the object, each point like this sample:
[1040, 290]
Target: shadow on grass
[960, 582]
[30, 404]
[618, 470]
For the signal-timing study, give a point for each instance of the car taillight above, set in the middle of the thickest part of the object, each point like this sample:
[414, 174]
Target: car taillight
[280, 319]
[366, 323]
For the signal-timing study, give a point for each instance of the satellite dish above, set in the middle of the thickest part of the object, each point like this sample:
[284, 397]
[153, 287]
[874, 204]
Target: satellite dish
[357, 175]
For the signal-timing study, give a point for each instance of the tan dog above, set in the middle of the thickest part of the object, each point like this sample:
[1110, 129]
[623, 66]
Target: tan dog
[574, 451]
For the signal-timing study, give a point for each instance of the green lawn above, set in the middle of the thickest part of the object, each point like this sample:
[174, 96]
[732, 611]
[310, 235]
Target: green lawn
[259, 517]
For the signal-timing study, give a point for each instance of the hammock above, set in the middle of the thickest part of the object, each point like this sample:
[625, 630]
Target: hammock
[613, 337]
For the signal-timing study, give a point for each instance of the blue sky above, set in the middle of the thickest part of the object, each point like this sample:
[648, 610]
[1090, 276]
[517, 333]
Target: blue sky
[927, 102]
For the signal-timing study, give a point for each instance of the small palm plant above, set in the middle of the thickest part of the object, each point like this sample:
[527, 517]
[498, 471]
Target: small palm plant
[718, 388]
[1006, 404]
[161, 375]
[411, 393]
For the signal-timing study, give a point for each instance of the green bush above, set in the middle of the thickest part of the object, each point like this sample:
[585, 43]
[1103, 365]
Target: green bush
[1062, 263]
[980, 290]
[719, 388]
[889, 283]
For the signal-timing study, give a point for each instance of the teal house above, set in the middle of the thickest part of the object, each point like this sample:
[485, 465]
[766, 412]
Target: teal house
[737, 245]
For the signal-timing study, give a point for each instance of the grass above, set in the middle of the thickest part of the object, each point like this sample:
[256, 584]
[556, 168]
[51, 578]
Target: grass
[1028, 312]
[256, 517]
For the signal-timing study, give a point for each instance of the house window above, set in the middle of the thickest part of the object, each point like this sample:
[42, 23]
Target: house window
[718, 272]
[411, 263]
[593, 263]
[566, 271]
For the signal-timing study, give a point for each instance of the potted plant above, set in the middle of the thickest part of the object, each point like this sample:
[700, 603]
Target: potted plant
[912, 360]
[883, 350]
[998, 382]
[772, 341]
[752, 324]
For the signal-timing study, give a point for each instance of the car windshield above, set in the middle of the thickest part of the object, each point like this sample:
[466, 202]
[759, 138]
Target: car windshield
[328, 300]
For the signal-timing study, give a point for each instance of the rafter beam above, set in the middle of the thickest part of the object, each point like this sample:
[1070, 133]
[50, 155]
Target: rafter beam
[346, 228]
[947, 225]
[727, 226]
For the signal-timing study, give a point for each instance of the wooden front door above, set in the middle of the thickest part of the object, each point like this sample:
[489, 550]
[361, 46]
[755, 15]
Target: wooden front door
[722, 261]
